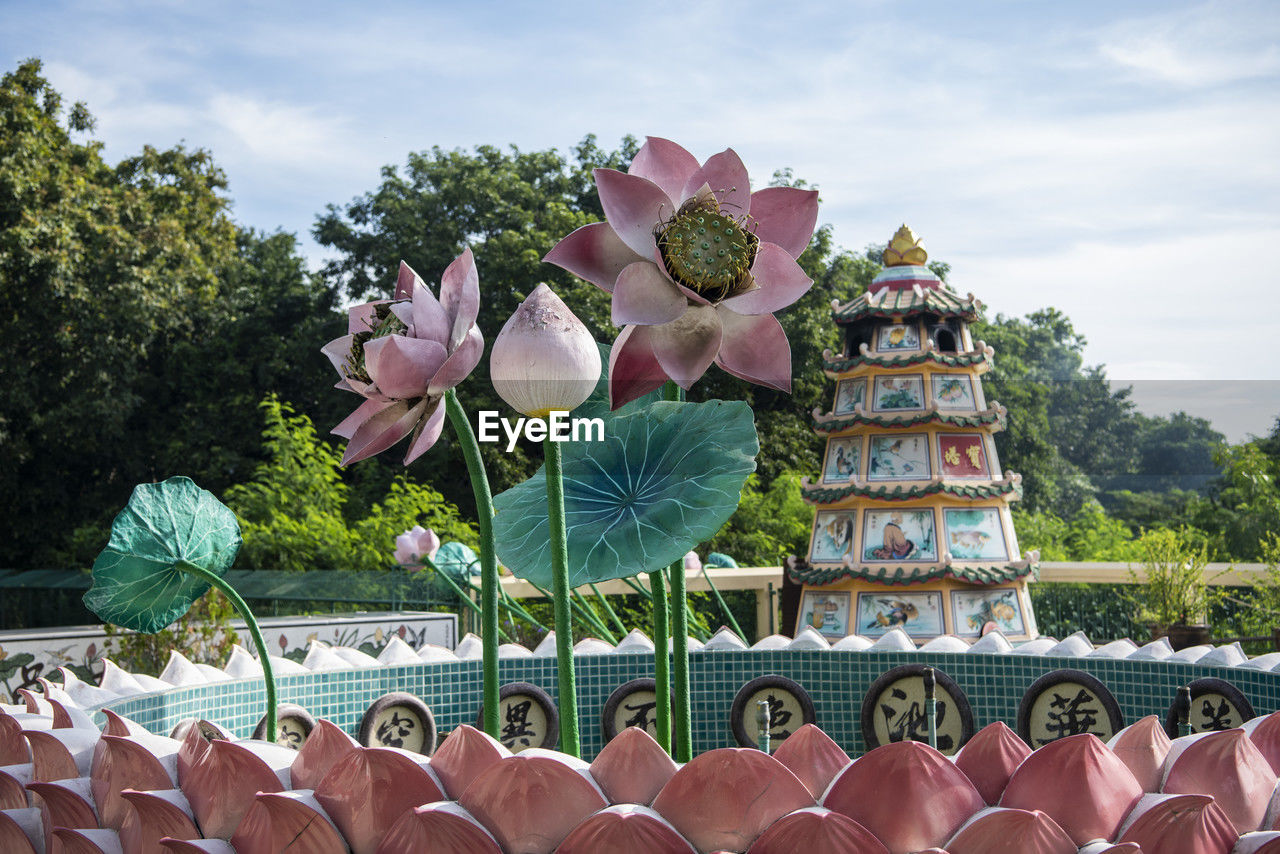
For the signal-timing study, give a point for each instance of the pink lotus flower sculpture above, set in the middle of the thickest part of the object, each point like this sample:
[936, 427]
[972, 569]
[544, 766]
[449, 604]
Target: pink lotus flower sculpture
[697, 264]
[416, 545]
[402, 355]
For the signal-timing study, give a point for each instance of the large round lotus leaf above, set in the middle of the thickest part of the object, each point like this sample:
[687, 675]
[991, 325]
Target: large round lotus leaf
[456, 559]
[665, 479]
[137, 580]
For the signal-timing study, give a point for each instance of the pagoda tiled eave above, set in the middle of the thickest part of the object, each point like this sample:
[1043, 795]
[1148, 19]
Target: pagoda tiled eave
[899, 302]
[1009, 488]
[979, 359]
[985, 574]
[827, 424]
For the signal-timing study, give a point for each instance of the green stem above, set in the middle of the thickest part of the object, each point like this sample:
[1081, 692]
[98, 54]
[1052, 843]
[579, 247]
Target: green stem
[593, 618]
[683, 734]
[488, 558]
[462, 594]
[661, 660]
[636, 586]
[733, 624]
[243, 607]
[560, 586]
[613, 615]
[585, 618]
[514, 607]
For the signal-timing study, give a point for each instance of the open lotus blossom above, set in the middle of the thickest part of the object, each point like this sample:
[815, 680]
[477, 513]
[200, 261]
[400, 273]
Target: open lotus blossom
[402, 355]
[697, 264]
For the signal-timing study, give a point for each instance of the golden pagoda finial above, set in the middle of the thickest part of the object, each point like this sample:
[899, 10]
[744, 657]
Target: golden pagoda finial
[905, 250]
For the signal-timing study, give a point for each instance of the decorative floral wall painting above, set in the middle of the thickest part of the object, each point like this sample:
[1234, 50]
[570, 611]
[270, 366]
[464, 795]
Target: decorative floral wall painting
[899, 457]
[849, 394]
[975, 534]
[832, 537]
[974, 609]
[919, 614]
[828, 613]
[844, 459]
[898, 392]
[898, 336]
[962, 455]
[899, 535]
[953, 391]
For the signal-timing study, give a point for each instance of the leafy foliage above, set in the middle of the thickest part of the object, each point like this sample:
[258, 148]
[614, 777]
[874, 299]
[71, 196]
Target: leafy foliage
[768, 524]
[204, 635]
[1175, 591]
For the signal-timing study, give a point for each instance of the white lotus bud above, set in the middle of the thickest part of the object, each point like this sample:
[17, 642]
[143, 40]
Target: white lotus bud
[692, 562]
[544, 359]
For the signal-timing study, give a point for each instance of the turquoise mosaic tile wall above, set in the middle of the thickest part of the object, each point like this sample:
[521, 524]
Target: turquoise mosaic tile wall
[836, 681]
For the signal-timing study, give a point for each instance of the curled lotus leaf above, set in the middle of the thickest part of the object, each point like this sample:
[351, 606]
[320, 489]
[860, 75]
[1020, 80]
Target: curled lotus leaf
[664, 479]
[456, 559]
[138, 579]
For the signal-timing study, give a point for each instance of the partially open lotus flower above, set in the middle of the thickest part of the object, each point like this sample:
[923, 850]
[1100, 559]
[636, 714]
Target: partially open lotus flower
[544, 359]
[402, 355]
[416, 545]
[697, 264]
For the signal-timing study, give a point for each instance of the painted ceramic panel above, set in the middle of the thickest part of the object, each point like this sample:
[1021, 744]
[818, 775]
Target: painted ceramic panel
[897, 456]
[898, 336]
[953, 391]
[844, 459]
[893, 393]
[975, 534]
[849, 394]
[919, 614]
[832, 536]
[899, 535]
[973, 609]
[962, 455]
[828, 613]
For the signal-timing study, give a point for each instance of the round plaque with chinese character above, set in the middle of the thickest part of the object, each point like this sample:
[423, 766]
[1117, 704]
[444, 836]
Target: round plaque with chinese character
[293, 725]
[1215, 705]
[399, 720]
[895, 709]
[1067, 702]
[788, 704]
[631, 704]
[526, 717]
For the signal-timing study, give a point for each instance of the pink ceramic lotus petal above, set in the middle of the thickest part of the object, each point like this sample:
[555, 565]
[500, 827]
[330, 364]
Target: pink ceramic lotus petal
[66, 803]
[755, 349]
[625, 829]
[464, 755]
[1179, 824]
[1258, 842]
[634, 207]
[368, 790]
[992, 830]
[726, 798]
[666, 164]
[686, 347]
[646, 295]
[813, 757]
[816, 830]
[1104, 847]
[428, 434]
[779, 279]
[531, 801]
[632, 768]
[907, 794]
[726, 175]
[383, 430]
[633, 369]
[152, 816]
[35, 705]
[13, 786]
[14, 749]
[1226, 766]
[1142, 747]
[1102, 789]
[593, 252]
[440, 826]
[85, 841]
[430, 320]
[347, 427]
[460, 295]
[324, 748]
[20, 830]
[990, 758]
[461, 362]
[61, 753]
[360, 317]
[222, 783]
[197, 846]
[785, 216]
[1265, 735]
[402, 366]
[124, 763]
[121, 726]
[69, 716]
[286, 821]
[192, 745]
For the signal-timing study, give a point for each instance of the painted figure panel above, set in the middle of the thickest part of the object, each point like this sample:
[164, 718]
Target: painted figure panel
[844, 459]
[919, 614]
[832, 536]
[897, 456]
[973, 609]
[828, 613]
[899, 535]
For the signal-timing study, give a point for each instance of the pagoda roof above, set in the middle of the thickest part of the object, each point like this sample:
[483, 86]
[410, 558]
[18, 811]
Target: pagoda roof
[827, 423]
[975, 490]
[892, 302]
[980, 356]
[971, 572]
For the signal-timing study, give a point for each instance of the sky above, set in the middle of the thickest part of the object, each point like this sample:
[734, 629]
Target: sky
[1116, 160]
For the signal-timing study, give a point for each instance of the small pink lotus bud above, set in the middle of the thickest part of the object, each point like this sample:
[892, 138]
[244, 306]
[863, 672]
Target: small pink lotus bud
[692, 562]
[416, 544]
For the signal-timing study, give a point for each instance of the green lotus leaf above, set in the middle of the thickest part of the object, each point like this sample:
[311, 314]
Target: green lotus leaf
[666, 478]
[456, 559]
[138, 581]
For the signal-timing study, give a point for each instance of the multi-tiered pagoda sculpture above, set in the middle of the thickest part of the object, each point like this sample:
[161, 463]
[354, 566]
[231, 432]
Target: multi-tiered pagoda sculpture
[913, 527]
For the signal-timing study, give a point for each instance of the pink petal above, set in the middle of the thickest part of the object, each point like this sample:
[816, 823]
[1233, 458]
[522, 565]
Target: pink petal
[666, 164]
[382, 431]
[464, 755]
[593, 252]
[460, 295]
[907, 794]
[1142, 747]
[440, 826]
[625, 829]
[13, 838]
[337, 352]
[284, 821]
[66, 803]
[633, 369]
[990, 758]
[686, 347]
[430, 319]
[401, 366]
[993, 829]
[780, 279]
[360, 317]
[816, 830]
[348, 426]
[645, 295]
[461, 362]
[85, 841]
[61, 753]
[152, 816]
[427, 436]
[1265, 735]
[1226, 766]
[367, 791]
[813, 757]
[14, 749]
[726, 798]
[1261, 842]
[1180, 824]
[222, 784]
[755, 349]
[197, 846]
[407, 281]
[125, 763]
[632, 768]
[727, 177]
[785, 216]
[634, 207]
[325, 747]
